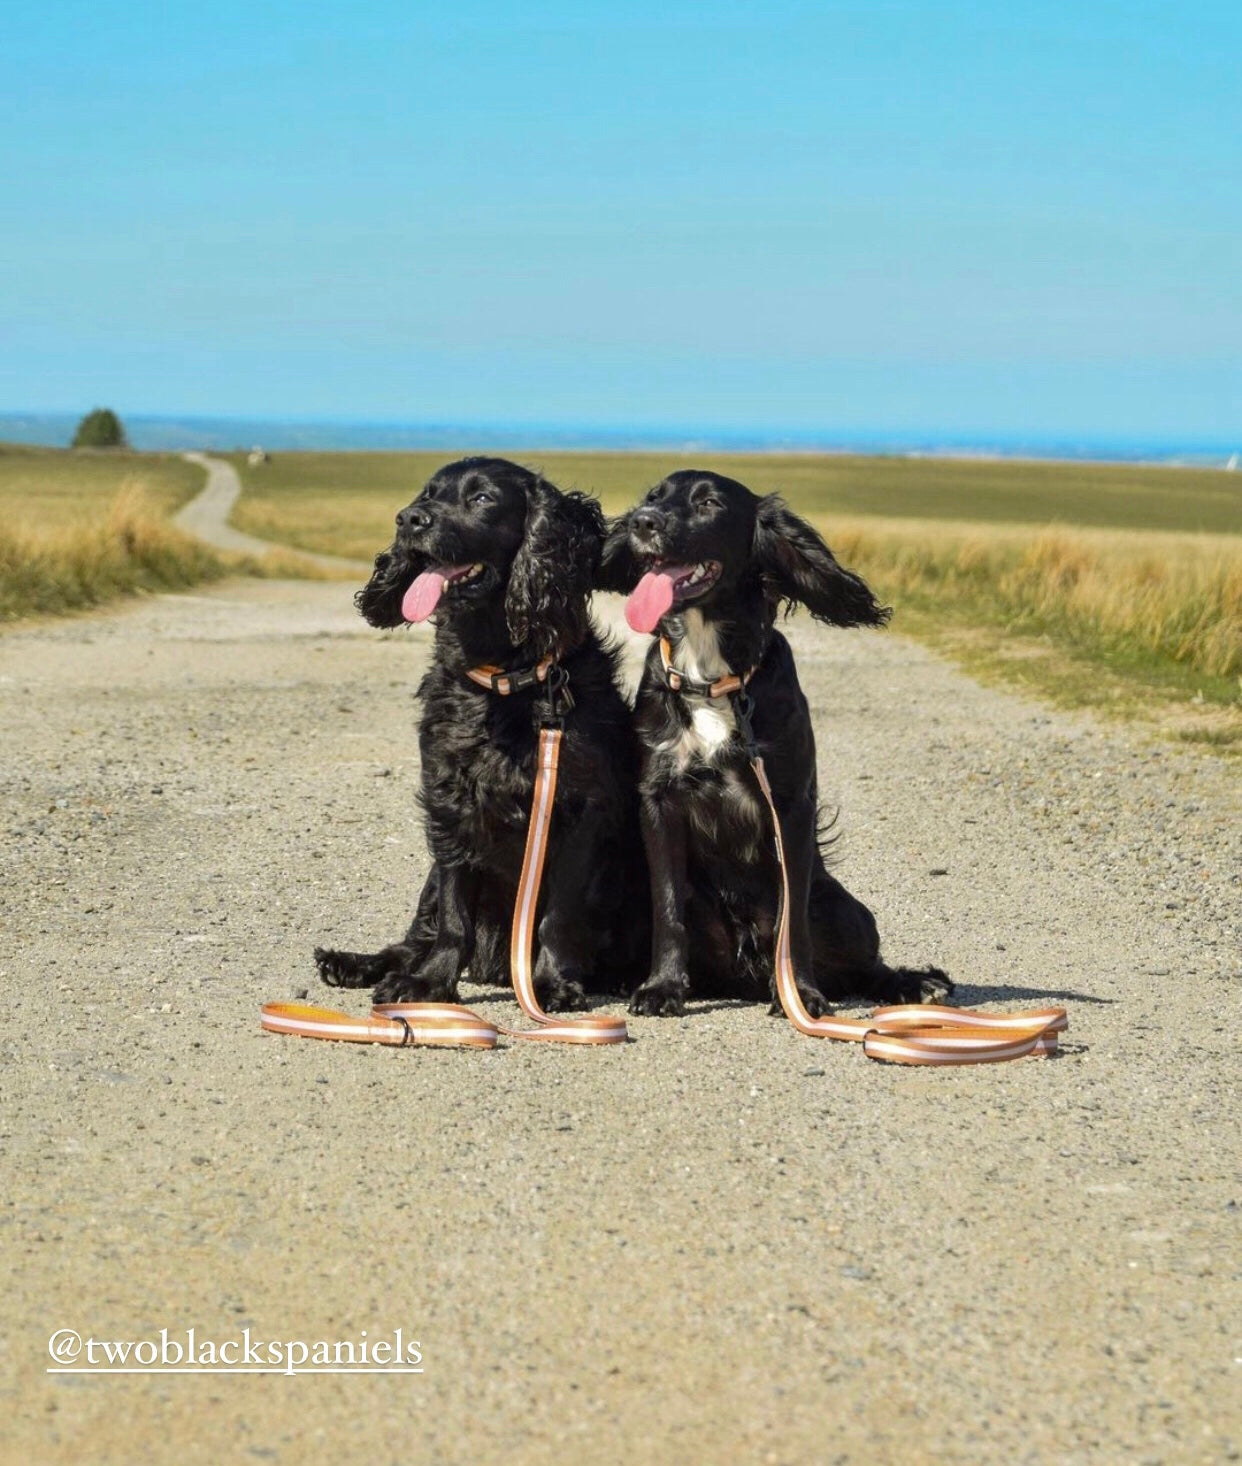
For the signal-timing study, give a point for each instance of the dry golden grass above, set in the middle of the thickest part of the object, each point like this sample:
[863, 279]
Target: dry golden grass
[1177, 597]
[343, 503]
[83, 528]
[48, 489]
[1161, 609]
[130, 547]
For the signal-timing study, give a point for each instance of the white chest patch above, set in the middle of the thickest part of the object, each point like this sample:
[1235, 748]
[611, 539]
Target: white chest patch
[711, 719]
[710, 727]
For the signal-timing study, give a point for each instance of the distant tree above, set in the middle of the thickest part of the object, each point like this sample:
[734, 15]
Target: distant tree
[100, 429]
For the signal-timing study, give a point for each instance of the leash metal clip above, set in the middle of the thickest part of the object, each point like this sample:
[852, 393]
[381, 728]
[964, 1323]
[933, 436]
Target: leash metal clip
[560, 699]
[743, 711]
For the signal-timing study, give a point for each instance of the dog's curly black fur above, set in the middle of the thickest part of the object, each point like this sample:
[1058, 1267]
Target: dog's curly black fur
[539, 549]
[714, 876]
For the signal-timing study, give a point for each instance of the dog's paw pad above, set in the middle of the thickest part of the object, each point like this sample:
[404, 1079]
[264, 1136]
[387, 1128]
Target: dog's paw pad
[658, 1002]
[397, 987]
[332, 968]
[935, 986]
[561, 997]
[813, 1001]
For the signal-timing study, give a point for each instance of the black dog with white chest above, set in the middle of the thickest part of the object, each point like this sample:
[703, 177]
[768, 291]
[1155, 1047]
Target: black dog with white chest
[503, 562]
[709, 565]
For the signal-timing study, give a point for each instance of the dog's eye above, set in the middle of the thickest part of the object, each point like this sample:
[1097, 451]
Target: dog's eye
[709, 504]
[484, 496]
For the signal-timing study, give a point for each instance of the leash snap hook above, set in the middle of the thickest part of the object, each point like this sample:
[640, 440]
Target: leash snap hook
[743, 711]
[560, 699]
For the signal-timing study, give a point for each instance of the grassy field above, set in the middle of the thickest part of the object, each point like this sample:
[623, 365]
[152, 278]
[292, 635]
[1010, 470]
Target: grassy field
[43, 490]
[1109, 585]
[77, 529]
[344, 503]
[1140, 623]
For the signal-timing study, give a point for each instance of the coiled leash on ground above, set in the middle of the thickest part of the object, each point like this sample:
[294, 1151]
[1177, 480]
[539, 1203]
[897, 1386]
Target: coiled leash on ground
[448, 1025]
[913, 1033]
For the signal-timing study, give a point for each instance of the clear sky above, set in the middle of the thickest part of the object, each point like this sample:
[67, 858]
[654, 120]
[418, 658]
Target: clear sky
[943, 218]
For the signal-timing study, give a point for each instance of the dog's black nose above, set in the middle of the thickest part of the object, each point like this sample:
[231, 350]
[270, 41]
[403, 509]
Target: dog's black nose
[413, 519]
[648, 522]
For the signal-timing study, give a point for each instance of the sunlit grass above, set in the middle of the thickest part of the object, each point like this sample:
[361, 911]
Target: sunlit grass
[44, 489]
[1138, 624]
[344, 503]
[1173, 598]
[80, 529]
[131, 547]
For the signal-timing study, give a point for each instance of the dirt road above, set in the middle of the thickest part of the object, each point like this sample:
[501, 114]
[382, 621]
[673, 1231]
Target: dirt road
[720, 1242]
[207, 517]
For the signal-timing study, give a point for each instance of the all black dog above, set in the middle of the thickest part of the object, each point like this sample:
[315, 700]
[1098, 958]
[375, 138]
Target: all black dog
[504, 562]
[709, 564]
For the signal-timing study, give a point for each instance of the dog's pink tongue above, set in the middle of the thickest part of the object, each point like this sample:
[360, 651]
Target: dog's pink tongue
[423, 596]
[652, 597]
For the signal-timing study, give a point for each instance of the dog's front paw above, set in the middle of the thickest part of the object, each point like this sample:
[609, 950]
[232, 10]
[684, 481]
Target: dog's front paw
[413, 987]
[346, 969]
[934, 986]
[813, 1001]
[909, 985]
[660, 999]
[559, 995]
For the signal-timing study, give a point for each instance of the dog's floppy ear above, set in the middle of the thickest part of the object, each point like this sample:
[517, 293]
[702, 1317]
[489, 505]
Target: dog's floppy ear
[617, 570]
[798, 567]
[379, 601]
[553, 570]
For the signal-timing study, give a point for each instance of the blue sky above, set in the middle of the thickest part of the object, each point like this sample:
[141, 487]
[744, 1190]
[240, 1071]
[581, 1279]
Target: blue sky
[939, 219]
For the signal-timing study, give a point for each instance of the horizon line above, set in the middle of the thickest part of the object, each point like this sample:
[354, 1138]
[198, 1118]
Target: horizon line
[164, 431]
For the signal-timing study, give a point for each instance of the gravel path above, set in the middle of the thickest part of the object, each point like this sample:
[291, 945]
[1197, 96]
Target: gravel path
[207, 517]
[721, 1242]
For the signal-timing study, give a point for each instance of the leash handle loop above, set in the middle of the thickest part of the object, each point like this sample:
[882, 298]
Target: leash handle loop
[440, 1025]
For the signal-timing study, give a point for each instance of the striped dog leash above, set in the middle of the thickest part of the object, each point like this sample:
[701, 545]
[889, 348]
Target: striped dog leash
[448, 1025]
[912, 1033]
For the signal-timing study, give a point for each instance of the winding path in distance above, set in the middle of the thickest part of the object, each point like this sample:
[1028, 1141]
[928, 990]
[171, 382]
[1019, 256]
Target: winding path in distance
[206, 517]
